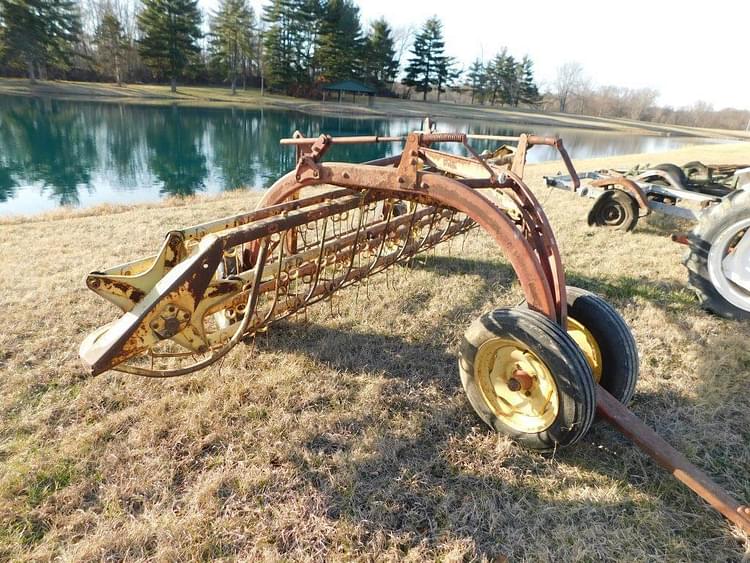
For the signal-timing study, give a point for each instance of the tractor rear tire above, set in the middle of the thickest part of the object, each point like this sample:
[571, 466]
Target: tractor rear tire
[710, 241]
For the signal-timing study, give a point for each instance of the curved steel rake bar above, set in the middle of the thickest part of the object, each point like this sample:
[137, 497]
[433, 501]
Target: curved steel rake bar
[533, 255]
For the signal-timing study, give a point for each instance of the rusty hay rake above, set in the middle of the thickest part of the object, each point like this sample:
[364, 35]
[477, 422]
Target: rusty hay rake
[538, 373]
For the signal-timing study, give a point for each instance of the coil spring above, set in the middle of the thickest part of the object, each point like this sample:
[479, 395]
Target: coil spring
[444, 138]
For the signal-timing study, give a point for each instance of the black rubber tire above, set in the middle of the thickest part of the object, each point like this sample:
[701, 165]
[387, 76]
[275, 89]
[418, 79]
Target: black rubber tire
[565, 361]
[713, 221]
[614, 209]
[620, 365]
[674, 171]
[694, 167]
[681, 176]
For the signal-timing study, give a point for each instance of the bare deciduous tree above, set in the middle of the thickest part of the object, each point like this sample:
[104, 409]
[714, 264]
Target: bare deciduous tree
[568, 81]
[402, 39]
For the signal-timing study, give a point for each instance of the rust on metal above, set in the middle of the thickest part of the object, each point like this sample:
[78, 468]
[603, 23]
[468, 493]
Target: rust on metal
[680, 238]
[626, 185]
[520, 381]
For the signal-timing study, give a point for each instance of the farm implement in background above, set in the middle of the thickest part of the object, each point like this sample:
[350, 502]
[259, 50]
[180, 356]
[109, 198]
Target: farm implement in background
[716, 197]
[538, 373]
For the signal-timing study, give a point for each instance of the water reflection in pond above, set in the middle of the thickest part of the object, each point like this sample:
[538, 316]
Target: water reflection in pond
[55, 153]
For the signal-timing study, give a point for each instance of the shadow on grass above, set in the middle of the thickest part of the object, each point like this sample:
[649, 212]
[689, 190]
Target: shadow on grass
[421, 483]
[662, 225]
[665, 295]
[434, 472]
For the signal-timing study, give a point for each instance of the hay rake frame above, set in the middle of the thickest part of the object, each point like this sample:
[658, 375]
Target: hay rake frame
[214, 284]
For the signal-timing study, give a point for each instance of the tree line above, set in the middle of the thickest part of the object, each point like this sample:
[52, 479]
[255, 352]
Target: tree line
[572, 92]
[293, 46]
[504, 79]
[310, 42]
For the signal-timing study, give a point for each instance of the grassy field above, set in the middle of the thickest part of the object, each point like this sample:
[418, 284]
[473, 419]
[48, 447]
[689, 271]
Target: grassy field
[349, 436]
[207, 96]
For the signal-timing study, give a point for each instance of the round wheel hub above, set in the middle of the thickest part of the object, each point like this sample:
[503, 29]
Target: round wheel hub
[728, 261]
[613, 214]
[516, 385]
[587, 343]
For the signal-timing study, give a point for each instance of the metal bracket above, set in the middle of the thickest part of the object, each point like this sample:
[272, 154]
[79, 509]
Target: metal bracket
[307, 165]
[408, 166]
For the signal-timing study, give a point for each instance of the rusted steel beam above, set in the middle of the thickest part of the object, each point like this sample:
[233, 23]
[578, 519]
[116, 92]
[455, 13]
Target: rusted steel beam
[628, 186]
[670, 459]
[344, 140]
[502, 138]
[199, 231]
[271, 225]
[557, 142]
[436, 189]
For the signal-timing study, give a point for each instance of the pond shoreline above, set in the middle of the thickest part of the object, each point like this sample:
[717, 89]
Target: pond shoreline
[215, 97]
[246, 198]
[62, 152]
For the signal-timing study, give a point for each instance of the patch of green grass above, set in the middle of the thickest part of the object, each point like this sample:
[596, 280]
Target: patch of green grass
[632, 288]
[48, 481]
[26, 530]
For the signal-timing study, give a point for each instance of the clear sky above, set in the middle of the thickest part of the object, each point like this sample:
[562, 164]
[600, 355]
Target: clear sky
[687, 50]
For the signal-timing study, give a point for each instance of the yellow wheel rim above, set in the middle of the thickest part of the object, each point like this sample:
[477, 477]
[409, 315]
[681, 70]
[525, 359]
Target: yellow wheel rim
[587, 343]
[516, 385]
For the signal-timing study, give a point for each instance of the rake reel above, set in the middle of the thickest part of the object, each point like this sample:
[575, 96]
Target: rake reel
[538, 373]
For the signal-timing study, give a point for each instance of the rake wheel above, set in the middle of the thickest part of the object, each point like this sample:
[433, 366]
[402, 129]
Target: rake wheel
[526, 378]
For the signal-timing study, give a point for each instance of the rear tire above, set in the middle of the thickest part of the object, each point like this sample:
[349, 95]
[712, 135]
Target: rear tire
[614, 209]
[677, 173]
[693, 168]
[709, 242]
[617, 350]
[526, 378]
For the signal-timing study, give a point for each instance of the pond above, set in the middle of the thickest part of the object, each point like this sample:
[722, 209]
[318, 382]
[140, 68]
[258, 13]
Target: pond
[55, 153]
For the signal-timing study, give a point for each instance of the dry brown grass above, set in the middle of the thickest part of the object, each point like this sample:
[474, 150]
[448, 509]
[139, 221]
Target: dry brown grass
[349, 437]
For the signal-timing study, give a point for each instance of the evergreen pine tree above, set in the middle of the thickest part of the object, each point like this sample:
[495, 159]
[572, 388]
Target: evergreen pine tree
[340, 44]
[446, 75]
[309, 20]
[495, 77]
[380, 61]
[170, 30]
[292, 27]
[477, 76]
[232, 37]
[428, 59]
[110, 43]
[39, 33]
[509, 80]
[529, 90]
[277, 44]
